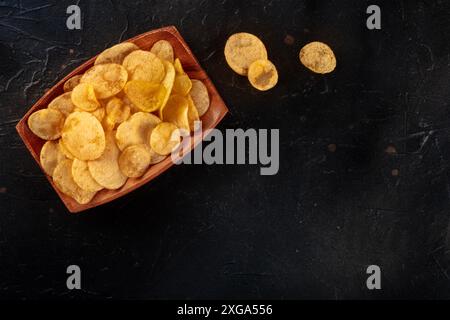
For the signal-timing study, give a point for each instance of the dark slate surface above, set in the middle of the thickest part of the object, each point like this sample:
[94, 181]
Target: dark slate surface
[225, 231]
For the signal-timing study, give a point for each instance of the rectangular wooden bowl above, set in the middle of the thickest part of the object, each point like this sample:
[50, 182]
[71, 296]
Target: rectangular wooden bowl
[145, 41]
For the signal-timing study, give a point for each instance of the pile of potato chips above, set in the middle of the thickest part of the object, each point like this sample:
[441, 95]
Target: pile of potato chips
[246, 55]
[117, 119]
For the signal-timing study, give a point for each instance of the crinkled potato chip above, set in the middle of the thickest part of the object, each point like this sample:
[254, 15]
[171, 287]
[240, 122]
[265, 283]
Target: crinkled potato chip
[116, 53]
[83, 136]
[176, 111]
[144, 65]
[107, 79]
[50, 156]
[82, 176]
[63, 179]
[136, 129]
[63, 103]
[83, 97]
[134, 160]
[105, 170]
[263, 75]
[147, 96]
[318, 57]
[165, 138]
[192, 113]
[242, 49]
[168, 81]
[178, 67]
[116, 113]
[46, 123]
[64, 150]
[163, 50]
[72, 83]
[199, 95]
[182, 84]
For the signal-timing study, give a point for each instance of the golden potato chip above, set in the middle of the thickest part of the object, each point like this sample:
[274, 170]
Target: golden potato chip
[116, 53]
[62, 103]
[50, 156]
[165, 138]
[99, 113]
[263, 75]
[163, 50]
[83, 97]
[192, 113]
[82, 176]
[83, 136]
[318, 57]
[144, 65]
[199, 95]
[242, 49]
[46, 123]
[64, 150]
[147, 96]
[178, 67]
[107, 79]
[116, 113]
[63, 179]
[168, 81]
[105, 170]
[134, 160]
[136, 129]
[176, 112]
[182, 84]
[72, 83]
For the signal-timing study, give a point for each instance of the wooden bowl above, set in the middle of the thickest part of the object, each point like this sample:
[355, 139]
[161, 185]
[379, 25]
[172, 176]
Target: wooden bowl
[216, 112]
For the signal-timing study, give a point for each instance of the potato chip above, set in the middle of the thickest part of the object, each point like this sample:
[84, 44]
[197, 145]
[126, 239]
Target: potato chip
[116, 53]
[50, 156]
[82, 176]
[46, 123]
[182, 84]
[192, 113]
[263, 75]
[63, 179]
[99, 113]
[83, 136]
[64, 150]
[116, 113]
[168, 81]
[154, 157]
[83, 97]
[144, 65]
[105, 170]
[136, 129]
[134, 160]
[147, 96]
[178, 67]
[127, 102]
[318, 57]
[107, 79]
[199, 95]
[163, 50]
[165, 138]
[62, 103]
[72, 83]
[176, 111]
[242, 49]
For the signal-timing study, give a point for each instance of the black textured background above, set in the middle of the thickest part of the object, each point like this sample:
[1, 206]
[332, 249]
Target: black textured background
[225, 231]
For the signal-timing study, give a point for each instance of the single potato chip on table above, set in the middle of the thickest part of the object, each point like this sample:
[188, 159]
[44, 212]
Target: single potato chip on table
[318, 57]
[63, 103]
[82, 176]
[200, 96]
[134, 160]
[83, 136]
[105, 170]
[47, 123]
[50, 156]
[263, 75]
[144, 65]
[163, 50]
[136, 129]
[107, 79]
[242, 49]
[116, 53]
[63, 179]
[165, 138]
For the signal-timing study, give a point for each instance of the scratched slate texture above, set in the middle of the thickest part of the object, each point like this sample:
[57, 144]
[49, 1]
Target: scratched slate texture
[363, 178]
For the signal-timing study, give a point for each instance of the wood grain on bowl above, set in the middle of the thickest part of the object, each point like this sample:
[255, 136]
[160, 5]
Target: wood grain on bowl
[216, 112]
